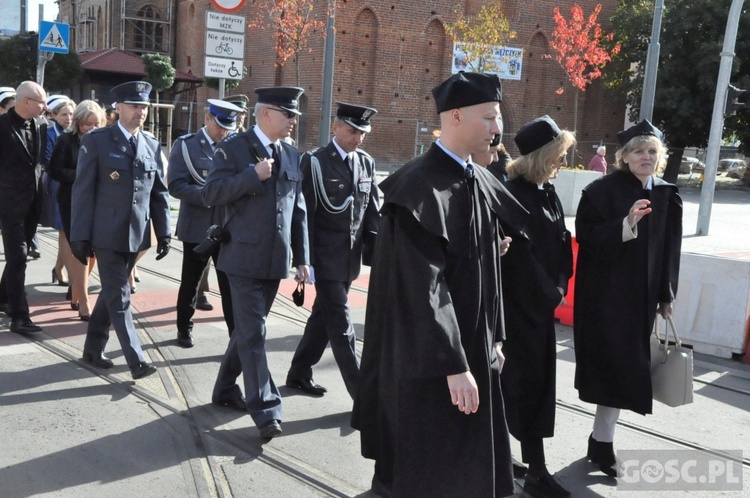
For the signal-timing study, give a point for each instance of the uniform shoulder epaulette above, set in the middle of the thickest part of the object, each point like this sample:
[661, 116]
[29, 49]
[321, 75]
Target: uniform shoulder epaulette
[149, 135]
[231, 137]
[186, 136]
[98, 130]
[313, 151]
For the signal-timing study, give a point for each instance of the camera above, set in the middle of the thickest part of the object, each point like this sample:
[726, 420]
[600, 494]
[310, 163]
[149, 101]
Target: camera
[215, 236]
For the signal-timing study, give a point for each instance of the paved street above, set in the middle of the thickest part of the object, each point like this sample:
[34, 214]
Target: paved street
[70, 430]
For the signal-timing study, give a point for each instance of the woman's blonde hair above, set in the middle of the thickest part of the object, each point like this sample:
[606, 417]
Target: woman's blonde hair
[535, 167]
[634, 143]
[82, 112]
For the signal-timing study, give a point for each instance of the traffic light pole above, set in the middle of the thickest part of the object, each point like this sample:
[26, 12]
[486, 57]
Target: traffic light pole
[717, 119]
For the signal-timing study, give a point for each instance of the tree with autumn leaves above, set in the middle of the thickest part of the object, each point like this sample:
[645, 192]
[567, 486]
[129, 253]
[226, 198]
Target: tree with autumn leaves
[293, 22]
[577, 43]
[480, 35]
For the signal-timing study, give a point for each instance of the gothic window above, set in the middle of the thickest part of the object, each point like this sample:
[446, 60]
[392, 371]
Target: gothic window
[149, 32]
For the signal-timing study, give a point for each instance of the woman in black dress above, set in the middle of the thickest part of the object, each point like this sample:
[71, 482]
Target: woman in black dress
[535, 272]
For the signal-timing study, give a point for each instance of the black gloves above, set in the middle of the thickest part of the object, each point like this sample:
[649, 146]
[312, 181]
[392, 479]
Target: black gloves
[82, 251]
[162, 248]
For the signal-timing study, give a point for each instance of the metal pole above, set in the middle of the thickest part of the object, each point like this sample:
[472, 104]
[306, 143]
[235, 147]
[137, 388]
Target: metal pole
[652, 66]
[717, 119]
[221, 87]
[41, 56]
[326, 95]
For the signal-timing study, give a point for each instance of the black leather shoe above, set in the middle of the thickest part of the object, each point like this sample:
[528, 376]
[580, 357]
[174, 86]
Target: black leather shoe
[98, 360]
[185, 339]
[544, 485]
[34, 253]
[237, 403]
[519, 469]
[5, 308]
[142, 369]
[204, 304]
[306, 385]
[270, 429]
[24, 326]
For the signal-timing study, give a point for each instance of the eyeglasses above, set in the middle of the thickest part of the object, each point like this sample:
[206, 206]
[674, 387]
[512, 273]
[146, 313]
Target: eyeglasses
[288, 114]
[38, 101]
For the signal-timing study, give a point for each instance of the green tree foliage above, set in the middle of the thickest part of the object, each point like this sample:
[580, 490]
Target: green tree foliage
[691, 43]
[481, 34]
[18, 63]
[63, 71]
[159, 72]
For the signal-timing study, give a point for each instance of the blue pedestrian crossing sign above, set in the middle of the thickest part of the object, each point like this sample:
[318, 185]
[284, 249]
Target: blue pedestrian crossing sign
[54, 37]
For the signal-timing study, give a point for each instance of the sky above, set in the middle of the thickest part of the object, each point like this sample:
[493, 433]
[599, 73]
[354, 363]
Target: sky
[50, 12]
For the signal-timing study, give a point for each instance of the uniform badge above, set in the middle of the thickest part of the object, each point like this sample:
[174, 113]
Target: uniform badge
[114, 175]
[366, 114]
[140, 87]
[204, 173]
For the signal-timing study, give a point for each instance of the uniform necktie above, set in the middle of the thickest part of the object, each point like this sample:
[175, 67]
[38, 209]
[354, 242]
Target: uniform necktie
[132, 143]
[276, 157]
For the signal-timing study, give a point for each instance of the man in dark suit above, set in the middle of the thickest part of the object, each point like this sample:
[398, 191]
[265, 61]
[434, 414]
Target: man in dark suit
[256, 175]
[119, 190]
[189, 164]
[341, 195]
[23, 136]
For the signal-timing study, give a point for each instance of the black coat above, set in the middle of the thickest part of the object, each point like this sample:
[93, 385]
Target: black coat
[533, 269]
[62, 167]
[21, 169]
[619, 285]
[336, 239]
[435, 309]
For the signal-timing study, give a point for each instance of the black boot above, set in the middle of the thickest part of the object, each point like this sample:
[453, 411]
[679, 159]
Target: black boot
[602, 454]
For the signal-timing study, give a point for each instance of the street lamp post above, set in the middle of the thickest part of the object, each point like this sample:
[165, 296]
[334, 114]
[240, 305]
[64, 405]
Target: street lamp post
[652, 65]
[327, 90]
[717, 119]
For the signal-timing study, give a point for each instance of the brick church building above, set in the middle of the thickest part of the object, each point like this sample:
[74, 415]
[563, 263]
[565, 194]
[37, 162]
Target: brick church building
[388, 55]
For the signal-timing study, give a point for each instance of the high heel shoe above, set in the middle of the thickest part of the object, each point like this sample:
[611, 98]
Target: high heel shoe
[74, 306]
[137, 278]
[57, 279]
[603, 455]
[69, 294]
[85, 318]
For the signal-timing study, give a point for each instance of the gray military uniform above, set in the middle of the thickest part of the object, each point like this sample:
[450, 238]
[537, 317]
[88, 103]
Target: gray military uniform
[268, 228]
[117, 193]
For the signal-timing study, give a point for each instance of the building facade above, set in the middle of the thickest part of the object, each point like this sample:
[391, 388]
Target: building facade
[388, 55]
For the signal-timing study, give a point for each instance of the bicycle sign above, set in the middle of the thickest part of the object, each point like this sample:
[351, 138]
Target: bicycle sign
[228, 45]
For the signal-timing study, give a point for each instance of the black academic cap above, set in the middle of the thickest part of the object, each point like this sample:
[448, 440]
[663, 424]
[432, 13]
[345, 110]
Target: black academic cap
[535, 134]
[286, 97]
[132, 92]
[356, 116]
[225, 113]
[466, 89]
[643, 128]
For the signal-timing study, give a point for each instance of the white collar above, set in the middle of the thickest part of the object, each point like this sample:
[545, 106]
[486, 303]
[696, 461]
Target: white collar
[126, 132]
[451, 154]
[344, 155]
[263, 137]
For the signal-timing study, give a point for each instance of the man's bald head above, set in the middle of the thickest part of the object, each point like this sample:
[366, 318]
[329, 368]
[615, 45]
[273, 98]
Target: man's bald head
[30, 100]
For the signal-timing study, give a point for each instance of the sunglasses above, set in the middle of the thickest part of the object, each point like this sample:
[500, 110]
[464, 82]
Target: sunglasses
[288, 114]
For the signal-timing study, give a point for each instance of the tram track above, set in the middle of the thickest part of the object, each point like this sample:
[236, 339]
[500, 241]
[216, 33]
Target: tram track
[182, 404]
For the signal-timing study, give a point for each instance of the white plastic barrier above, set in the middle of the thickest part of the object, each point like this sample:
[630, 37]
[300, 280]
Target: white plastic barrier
[712, 311]
[569, 184]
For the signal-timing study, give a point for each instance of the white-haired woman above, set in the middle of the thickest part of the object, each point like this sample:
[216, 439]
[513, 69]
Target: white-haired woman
[599, 162]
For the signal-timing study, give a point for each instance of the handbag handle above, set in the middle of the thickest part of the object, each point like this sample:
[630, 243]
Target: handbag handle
[670, 325]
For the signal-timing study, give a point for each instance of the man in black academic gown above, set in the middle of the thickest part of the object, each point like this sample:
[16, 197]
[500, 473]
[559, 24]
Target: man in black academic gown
[429, 405]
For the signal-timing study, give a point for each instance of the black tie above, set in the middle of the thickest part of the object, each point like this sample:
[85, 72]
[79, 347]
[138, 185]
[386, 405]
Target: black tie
[276, 157]
[469, 171]
[132, 143]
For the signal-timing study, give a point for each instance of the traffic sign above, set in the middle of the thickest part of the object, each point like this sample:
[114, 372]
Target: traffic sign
[229, 45]
[216, 67]
[228, 5]
[54, 37]
[225, 22]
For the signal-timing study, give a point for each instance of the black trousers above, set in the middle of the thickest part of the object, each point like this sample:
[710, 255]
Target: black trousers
[193, 266]
[16, 232]
[330, 320]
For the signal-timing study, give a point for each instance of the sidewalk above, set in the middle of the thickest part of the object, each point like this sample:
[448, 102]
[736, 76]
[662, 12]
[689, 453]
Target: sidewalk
[72, 430]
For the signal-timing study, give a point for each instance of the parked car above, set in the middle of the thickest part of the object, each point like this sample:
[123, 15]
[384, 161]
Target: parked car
[735, 167]
[691, 165]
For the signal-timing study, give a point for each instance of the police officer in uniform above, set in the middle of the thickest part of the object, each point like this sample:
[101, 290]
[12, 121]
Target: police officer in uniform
[189, 163]
[342, 210]
[256, 175]
[119, 189]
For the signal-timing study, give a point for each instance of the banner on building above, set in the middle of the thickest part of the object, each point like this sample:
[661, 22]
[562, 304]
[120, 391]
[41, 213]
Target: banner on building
[506, 62]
